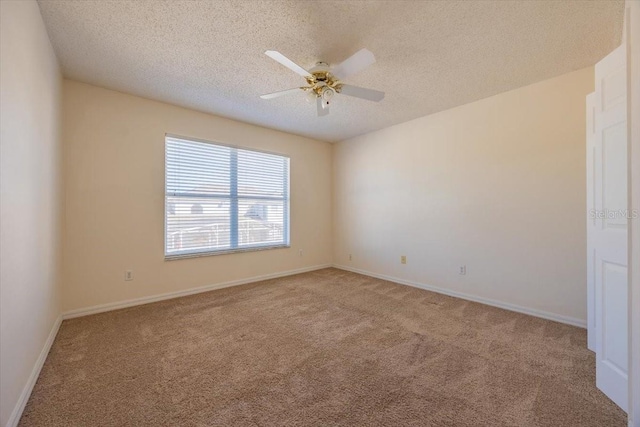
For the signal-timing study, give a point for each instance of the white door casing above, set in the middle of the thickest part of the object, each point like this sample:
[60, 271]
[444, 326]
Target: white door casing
[609, 233]
[632, 39]
[591, 223]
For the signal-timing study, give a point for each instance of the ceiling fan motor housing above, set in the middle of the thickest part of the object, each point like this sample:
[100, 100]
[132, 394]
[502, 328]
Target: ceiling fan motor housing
[321, 67]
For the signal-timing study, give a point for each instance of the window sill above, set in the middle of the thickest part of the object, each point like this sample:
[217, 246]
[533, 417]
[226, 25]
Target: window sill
[224, 252]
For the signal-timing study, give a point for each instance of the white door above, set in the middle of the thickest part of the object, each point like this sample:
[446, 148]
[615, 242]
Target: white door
[607, 234]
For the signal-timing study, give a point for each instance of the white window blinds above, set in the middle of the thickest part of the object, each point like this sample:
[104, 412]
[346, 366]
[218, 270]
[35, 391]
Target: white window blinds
[223, 199]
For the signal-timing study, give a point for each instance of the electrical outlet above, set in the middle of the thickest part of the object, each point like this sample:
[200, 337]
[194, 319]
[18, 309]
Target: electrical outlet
[128, 275]
[462, 270]
[349, 257]
[403, 259]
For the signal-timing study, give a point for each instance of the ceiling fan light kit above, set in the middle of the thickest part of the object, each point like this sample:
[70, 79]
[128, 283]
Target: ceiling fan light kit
[323, 83]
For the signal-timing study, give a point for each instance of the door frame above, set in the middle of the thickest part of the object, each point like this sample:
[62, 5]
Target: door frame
[632, 38]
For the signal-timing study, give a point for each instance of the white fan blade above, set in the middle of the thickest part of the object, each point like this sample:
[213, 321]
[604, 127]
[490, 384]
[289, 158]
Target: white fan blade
[322, 111]
[277, 94]
[273, 54]
[354, 64]
[361, 92]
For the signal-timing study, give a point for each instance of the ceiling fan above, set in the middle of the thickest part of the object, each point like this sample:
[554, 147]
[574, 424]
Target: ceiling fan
[324, 82]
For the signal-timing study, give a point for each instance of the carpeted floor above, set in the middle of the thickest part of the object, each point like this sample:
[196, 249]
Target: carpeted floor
[318, 349]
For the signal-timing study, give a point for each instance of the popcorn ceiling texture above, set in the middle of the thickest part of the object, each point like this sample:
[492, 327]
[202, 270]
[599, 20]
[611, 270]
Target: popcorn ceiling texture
[432, 55]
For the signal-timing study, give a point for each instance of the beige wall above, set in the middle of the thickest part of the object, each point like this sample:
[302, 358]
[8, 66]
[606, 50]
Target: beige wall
[114, 165]
[30, 184]
[497, 185]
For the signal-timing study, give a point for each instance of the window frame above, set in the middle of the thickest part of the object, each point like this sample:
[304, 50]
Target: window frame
[233, 201]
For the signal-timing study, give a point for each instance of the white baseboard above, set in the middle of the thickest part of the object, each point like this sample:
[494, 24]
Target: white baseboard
[507, 306]
[14, 419]
[161, 297]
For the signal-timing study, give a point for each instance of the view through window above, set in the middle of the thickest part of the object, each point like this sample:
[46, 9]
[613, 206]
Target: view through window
[222, 199]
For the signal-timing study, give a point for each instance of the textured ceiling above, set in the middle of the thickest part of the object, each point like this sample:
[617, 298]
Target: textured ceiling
[431, 55]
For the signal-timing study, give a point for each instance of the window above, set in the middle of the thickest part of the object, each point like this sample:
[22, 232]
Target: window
[221, 199]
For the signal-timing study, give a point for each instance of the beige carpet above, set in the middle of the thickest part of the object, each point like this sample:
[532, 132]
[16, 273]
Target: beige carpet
[318, 349]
